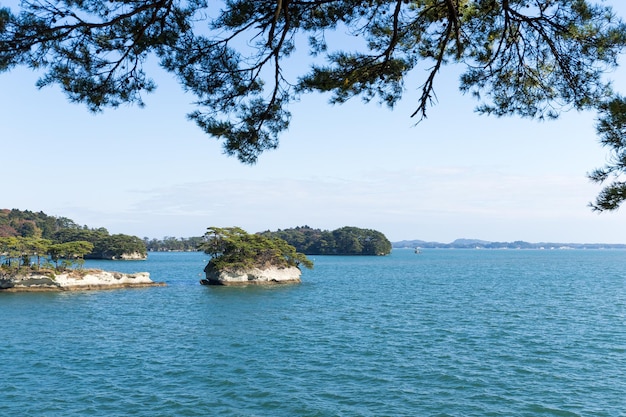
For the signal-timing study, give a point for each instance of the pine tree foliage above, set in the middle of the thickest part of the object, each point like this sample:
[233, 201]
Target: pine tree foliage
[232, 248]
[529, 58]
[612, 130]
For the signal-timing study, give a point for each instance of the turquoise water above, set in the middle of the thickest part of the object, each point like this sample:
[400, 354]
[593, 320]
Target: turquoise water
[444, 333]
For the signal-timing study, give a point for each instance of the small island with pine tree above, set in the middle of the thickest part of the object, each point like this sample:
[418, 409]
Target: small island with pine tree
[58, 267]
[241, 258]
[45, 253]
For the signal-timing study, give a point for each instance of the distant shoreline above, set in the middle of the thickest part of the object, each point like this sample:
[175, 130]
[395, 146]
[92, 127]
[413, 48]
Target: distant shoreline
[482, 244]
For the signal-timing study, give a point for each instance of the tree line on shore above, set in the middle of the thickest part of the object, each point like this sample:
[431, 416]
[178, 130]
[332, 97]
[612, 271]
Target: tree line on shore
[28, 226]
[173, 244]
[346, 240]
[38, 225]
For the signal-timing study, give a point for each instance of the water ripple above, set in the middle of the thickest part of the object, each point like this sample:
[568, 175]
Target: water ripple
[446, 333]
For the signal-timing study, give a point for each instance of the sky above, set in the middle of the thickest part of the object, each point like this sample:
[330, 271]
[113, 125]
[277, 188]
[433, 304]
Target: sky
[150, 172]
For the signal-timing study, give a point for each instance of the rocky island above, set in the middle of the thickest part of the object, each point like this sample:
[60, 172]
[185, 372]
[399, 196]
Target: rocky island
[36, 264]
[239, 258]
[269, 275]
[73, 280]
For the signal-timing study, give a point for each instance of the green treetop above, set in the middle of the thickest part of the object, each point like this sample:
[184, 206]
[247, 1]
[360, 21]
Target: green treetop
[232, 248]
[530, 58]
[343, 241]
[70, 252]
[16, 252]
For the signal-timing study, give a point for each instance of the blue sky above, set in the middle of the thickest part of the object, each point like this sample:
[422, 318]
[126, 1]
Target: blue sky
[150, 172]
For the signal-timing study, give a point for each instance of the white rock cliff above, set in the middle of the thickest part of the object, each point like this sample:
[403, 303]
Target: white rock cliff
[75, 281]
[253, 276]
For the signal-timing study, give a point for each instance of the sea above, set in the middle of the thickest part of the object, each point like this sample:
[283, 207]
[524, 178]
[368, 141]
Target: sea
[441, 333]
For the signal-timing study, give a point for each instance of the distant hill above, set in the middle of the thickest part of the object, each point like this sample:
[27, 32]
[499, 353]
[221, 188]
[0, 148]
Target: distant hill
[518, 244]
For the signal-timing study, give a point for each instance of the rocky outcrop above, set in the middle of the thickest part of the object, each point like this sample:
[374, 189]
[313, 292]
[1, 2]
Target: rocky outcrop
[75, 281]
[134, 256]
[253, 276]
[128, 256]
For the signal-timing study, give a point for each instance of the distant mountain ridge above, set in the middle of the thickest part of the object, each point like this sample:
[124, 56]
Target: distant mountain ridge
[518, 244]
